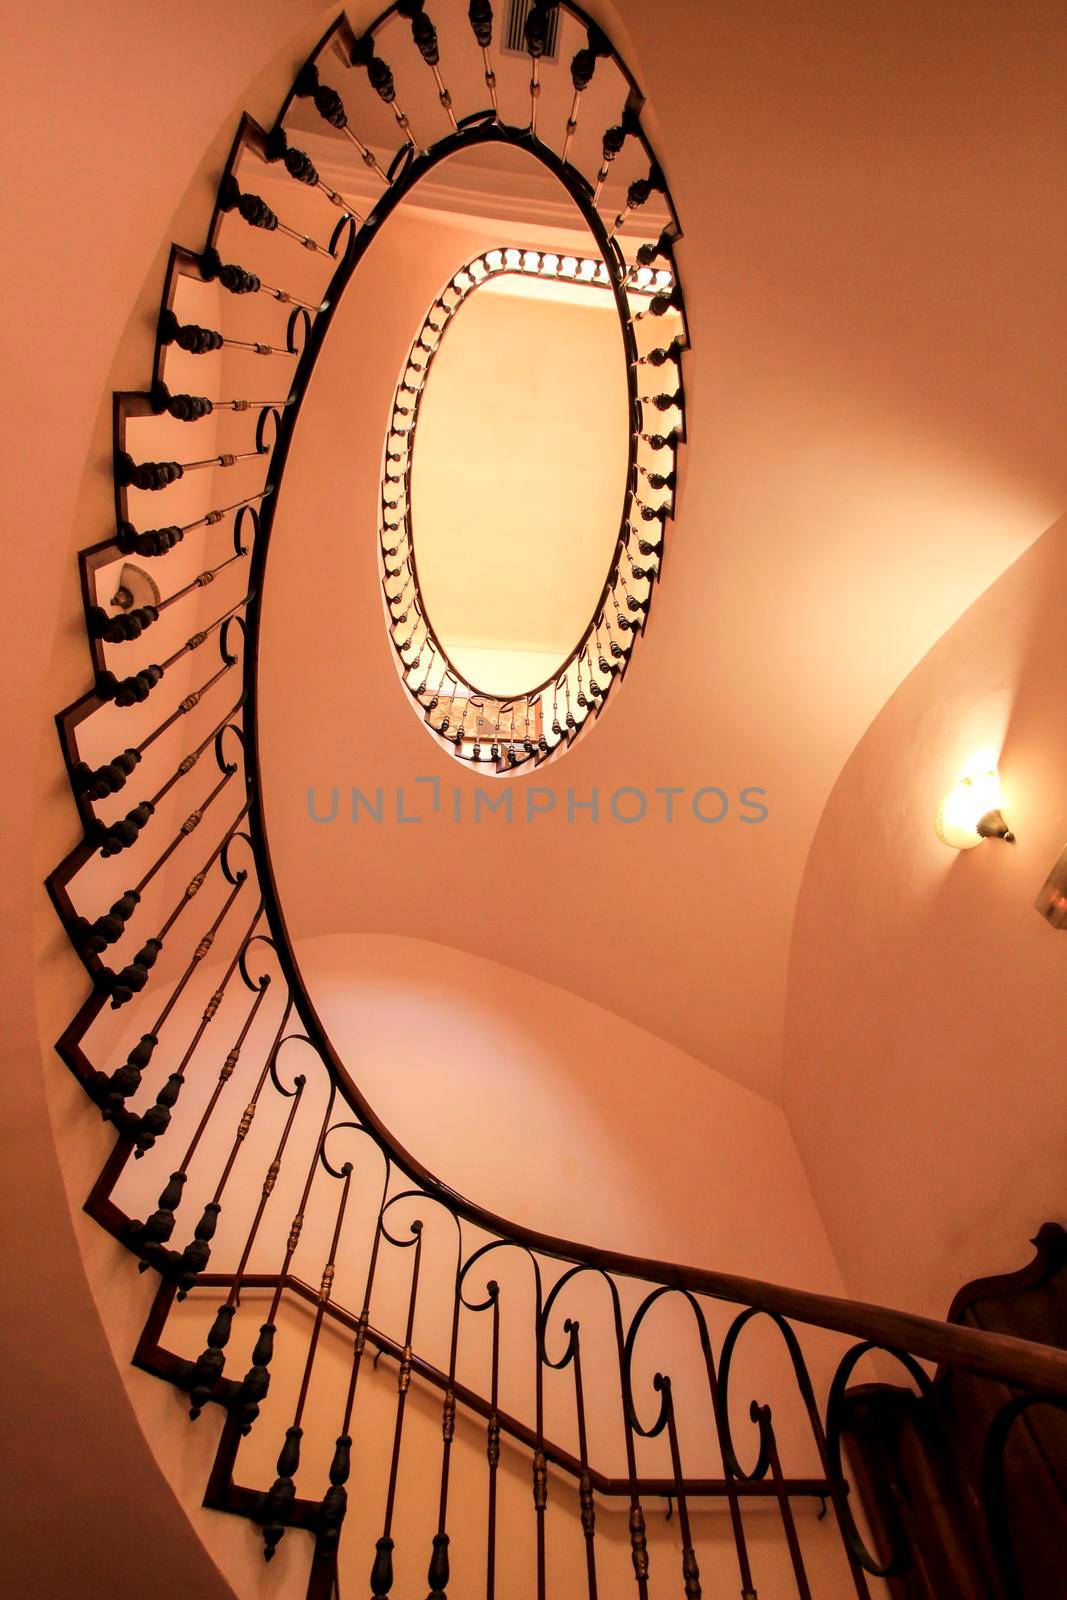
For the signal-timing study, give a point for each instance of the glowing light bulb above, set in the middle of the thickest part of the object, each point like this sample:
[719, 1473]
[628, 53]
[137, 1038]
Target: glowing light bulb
[970, 812]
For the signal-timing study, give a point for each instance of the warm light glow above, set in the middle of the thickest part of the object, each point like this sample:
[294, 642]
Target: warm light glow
[966, 803]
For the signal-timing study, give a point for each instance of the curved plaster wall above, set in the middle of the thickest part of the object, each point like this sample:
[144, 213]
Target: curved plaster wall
[873, 273]
[927, 1004]
[561, 1115]
[122, 127]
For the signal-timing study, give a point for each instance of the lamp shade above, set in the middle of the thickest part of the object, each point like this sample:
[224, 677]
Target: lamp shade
[970, 812]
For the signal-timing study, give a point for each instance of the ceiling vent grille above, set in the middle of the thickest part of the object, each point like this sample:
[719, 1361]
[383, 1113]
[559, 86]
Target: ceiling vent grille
[514, 41]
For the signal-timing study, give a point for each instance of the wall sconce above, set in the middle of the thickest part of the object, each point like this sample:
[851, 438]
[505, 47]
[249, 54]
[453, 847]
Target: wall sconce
[1052, 901]
[970, 812]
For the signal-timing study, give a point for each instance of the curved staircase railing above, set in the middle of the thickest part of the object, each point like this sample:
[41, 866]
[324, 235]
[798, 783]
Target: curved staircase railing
[290, 1229]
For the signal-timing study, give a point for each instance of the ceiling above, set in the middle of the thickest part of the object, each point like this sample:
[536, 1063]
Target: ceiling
[873, 261]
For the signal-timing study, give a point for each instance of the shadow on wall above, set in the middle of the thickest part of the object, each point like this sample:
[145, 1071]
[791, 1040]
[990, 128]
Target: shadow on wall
[927, 1002]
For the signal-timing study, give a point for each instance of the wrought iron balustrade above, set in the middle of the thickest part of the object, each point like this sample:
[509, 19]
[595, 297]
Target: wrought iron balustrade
[288, 1218]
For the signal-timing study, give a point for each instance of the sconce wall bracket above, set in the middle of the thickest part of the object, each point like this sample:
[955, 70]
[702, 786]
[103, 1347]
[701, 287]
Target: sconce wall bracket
[993, 826]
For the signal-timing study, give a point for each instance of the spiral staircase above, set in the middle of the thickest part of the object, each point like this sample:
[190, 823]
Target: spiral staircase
[401, 1392]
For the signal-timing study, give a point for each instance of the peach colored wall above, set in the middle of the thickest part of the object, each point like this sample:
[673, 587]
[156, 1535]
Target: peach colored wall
[927, 1003]
[553, 1112]
[873, 271]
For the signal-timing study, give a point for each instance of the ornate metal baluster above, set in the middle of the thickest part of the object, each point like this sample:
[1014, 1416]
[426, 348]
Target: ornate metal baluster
[492, 1443]
[620, 650]
[690, 1569]
[613, 141]
[381, 1578]
[660, 304]
[257, 1379]
[113, 1089]
[122, 986]
[480, 13]
[595, 690]
[256, 212]
[730, 1472]
[209, 1365]
[827, 1457]
[195, 1257]
[108, 929]
[638, 195]
[662, 354]
[330, 107]
[238, 280]
[98, 782]
[156, 1120]
[446, 720]
[157, 541]
[425, 36]
[583, 66]
[198, 341]
[637, 607]
[438, 1570]
[636, 1517]
[335, 1501]
[123, 627]
[282, 1491]
[145, 474]
[160, 1225]
[540, 1465]
[112, 837]
[195, 407]
[572, 1356]
[135, 688]
[381, 81]
[459, 722]
[569, 720]
[300, 167]
[761, 1415]
[536, 33]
